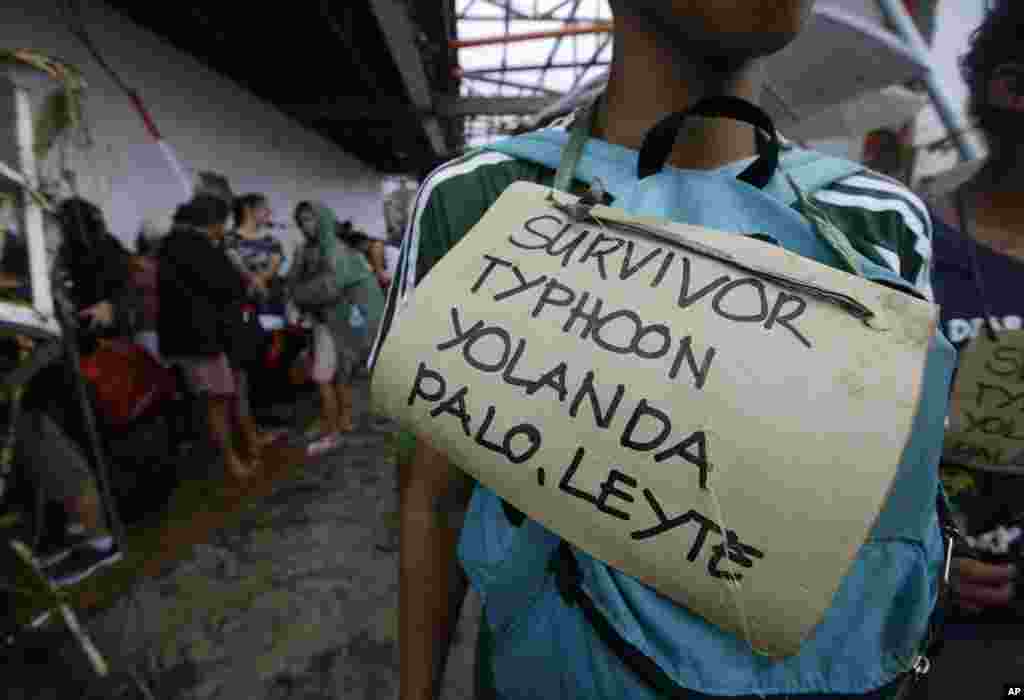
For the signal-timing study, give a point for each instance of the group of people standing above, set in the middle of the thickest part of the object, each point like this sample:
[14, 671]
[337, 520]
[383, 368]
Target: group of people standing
[190, 297]
[213, 284]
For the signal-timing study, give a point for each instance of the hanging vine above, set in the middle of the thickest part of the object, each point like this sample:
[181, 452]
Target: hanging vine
[61, 111]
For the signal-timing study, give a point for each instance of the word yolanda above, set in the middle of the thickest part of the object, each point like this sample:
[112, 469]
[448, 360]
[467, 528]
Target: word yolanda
[489, 348]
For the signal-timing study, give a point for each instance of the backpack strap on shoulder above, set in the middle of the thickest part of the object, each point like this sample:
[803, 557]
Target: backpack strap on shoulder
[568, 579]
[806, 172]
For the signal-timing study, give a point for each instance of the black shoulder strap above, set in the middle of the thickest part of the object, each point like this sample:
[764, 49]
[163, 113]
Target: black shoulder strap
[658, 142]
[568, 577]
[514, 515]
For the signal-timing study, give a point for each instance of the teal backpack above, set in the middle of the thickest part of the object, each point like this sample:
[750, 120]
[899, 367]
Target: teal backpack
[630, 642]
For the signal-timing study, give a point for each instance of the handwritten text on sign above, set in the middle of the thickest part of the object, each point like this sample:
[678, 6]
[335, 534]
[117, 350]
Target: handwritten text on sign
[725, 440]
[987, 407]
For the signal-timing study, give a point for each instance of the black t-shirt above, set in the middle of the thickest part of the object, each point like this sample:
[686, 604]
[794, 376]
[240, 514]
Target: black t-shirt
[957, 292]
[986, 499]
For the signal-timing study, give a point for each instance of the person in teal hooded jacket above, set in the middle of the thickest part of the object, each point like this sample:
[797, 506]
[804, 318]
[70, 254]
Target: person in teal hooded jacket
[334, 284]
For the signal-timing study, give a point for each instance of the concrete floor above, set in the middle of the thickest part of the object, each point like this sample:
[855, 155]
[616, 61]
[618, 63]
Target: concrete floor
[299, 601]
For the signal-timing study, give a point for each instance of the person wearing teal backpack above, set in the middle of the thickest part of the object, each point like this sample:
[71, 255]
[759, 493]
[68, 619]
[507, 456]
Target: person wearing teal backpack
[671, 138]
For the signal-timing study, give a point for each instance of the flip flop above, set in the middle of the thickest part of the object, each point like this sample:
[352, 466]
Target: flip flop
[325, 445]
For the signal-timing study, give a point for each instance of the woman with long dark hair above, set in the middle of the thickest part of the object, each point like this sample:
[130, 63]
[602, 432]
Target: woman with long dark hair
[97, 264]
[201, 294]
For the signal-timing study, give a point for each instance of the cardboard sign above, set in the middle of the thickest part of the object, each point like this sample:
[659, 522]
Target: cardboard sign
[986, 420]
[724, 439]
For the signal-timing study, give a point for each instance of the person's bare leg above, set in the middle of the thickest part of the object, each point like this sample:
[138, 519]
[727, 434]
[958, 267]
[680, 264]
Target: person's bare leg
[329, 409]
[253, 440]
[345, 398]
[220, 421]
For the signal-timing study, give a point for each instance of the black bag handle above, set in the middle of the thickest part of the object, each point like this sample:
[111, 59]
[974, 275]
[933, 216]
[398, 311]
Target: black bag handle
[659, 140]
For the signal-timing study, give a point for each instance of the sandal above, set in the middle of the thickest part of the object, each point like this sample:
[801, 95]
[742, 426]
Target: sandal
[327, 443]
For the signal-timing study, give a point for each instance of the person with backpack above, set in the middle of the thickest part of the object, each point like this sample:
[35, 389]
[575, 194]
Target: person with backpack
[558, 623]
[979, 261]
[377, 251]
[334, 284]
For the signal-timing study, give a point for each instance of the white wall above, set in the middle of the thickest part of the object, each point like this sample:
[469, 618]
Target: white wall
[211, 122]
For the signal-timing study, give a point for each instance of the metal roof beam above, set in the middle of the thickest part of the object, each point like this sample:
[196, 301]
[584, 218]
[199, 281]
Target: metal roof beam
[508, 9]
[400, 35]
[513, 84]
[551, 13]
[548, 20]
[558, 42]
[552, 66]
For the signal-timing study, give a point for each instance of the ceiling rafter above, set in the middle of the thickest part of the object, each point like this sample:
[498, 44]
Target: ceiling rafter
[527, 65]
[402, 40]
[558, 41]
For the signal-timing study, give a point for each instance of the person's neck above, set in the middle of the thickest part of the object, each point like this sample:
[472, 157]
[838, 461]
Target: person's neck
[650, 79]
[249, 229]
[996, 192]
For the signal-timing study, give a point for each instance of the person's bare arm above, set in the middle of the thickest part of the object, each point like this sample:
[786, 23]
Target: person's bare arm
[434, 496]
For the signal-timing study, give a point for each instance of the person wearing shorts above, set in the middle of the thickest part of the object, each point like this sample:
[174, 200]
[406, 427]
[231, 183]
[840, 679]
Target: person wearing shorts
[201, 293]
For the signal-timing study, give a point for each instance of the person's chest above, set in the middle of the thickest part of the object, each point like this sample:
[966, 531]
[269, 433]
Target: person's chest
[972, 280]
